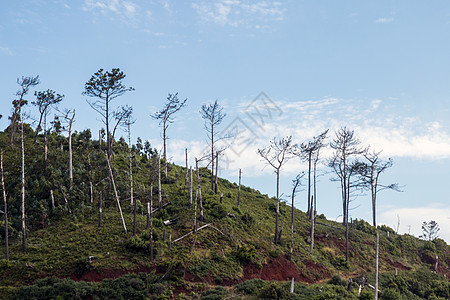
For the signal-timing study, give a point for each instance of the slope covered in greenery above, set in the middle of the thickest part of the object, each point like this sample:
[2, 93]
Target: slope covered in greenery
[69, 255]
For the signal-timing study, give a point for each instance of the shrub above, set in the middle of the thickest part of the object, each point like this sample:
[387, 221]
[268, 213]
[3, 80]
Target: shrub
[215, 294]
[337, 280]
[246, 253]
[82, 265]
[390, 294]
[252, 286]
[366, 295]
[272, 291]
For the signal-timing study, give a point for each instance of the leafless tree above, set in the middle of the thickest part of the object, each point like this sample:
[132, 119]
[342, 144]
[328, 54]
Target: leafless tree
[370, 172]
[105, 87]
[213, 115]
[309, 151]
[121, 116]
[346, 146]
[68, 115]
[276, 155]
[165, 117]
[296, 182]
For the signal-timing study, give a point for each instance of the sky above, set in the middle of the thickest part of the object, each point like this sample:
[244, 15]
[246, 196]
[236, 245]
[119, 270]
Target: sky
[278, 68]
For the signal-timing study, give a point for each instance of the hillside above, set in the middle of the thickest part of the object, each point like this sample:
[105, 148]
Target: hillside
[232, 256]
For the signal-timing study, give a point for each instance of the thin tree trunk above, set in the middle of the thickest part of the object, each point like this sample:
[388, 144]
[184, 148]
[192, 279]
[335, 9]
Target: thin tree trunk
[100, 209]
[281, 231]
[70, 151]
[53, 200]
[221, 197]
[165, 151]
[186, 177]
[23, 190]
[217, 172]
[64, 197]
[239, 189]
[376, 266]
[292, 222]
[117, 196]
[151, 221]
[91, 186]
[212, 158]
[6, 210]
[195, 217]
[313, 220]
[278, 208]
[134, 218]
[190, 191]
[199, 189]
[45, 139]
[148, 216]
[159, 182]
[100, 139]
[308, 212]
[131, 165]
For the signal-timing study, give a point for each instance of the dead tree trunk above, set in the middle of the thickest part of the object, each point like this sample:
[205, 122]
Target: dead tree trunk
[190, 191]
[199, 189]
[186, 177]
[53, 200]
[6, 210]
[217, 172]
[239, 189]
[134, 218]
[151, 221]
[70, 150]
[159, 182]
[376, 266]
[115, 192]
[91, 186]
[23, 190]
[100, 209]
[45, 140]
[64, 197]
[313, 220]
[195, 217]
[281, 231]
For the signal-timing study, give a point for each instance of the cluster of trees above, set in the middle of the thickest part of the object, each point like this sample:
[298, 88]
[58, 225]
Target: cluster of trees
[52, 174]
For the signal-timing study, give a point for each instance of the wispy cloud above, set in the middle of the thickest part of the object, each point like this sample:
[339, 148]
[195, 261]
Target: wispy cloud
[123, 10]
[6, 50]
[384, 20]
[234, 12]
[374, 122]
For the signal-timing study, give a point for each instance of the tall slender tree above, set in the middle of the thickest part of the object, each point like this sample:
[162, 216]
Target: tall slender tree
[165, 117]
[103, 87]
[68, 115]
[25, 84]
[213, 115]
[5, 207]
[45, 100]
[277, 155]
[346, 146]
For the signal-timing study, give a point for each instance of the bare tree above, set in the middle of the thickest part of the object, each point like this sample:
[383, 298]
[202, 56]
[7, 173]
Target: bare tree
[296, 182]
[309, 151]
[370, 173]
[239, 189]
[105, 87]
[44, 101]
[213, 115]
[5, 209]
[115, 192]
[69, 117]
[346, 146]
[165, 117]
[276, 155]
[25, 84]
[121, 116]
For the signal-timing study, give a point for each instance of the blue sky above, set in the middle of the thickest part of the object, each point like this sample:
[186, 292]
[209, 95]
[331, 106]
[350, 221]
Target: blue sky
[378, 67]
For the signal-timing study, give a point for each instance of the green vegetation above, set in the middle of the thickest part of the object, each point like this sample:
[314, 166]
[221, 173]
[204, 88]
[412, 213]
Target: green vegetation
[68, 256]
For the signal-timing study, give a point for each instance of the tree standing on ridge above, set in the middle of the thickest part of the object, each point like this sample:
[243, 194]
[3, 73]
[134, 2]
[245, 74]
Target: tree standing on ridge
[276, 155]
[105, 87]
[165, 117]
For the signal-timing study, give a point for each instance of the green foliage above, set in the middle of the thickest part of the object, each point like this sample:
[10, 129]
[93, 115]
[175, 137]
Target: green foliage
[390, 294]
[246, 253]
[251, 287]
[337, 280]
[366, 295]
[217, 293]
[82, 265]
[340, 263]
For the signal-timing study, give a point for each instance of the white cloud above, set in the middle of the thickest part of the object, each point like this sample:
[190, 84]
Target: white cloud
[125, 11]
[411, 219]
[384, 20]
[234, 13]
[6, 50]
